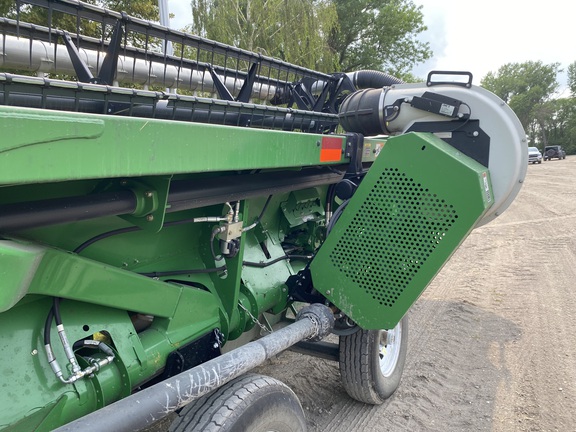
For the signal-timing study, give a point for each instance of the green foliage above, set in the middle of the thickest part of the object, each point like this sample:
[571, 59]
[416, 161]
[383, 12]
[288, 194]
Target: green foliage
[292, 30]
[525, 87]
[378, 34]
[326, 35]
[145, 9]
[561, 123]
[7, 7]
[408, 77]
[529, 90]
[572, 78]
[59, 20]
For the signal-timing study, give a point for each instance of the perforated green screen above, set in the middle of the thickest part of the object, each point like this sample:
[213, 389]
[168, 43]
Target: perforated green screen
[414, 207]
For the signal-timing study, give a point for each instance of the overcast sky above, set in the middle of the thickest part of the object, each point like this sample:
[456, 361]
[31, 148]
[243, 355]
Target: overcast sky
[481, 36]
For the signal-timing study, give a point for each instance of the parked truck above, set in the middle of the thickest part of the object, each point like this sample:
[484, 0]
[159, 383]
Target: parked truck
[170, 221]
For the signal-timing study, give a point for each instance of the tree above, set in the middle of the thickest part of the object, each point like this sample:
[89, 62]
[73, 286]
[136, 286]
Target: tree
[378, 34]
[292, 30]
[326, 35]
[145, 9]
[561, 124]
[6, 7]
[572, 78]
[526, 87]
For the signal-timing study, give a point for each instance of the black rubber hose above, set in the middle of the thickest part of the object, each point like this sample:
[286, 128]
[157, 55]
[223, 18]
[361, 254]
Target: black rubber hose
[361, 111]
[183, 272]
[48, 325]
[336, 216]
[366, 79]
[102, 236]
[274, 261]
[54, 313]
[56, 308]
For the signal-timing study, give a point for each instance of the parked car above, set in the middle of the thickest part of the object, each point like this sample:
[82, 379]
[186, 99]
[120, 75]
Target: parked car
[554, 151]
[534, 155]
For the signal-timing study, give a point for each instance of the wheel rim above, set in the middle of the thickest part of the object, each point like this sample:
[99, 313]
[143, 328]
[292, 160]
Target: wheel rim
[389, 349]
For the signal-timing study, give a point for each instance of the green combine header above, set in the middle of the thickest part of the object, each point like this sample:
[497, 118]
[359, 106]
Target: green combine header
[169, 222]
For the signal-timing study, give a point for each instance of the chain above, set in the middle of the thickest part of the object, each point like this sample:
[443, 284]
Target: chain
[255, 320]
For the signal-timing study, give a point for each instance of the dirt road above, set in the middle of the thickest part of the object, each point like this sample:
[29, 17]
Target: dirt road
[492, 340]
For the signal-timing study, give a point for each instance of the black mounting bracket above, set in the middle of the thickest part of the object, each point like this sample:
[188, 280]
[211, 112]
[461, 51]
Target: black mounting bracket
[110, 62]
[354, 148]
[300, 288]
[465, 135]
[223, 92]
[337, 89]
[246, 90]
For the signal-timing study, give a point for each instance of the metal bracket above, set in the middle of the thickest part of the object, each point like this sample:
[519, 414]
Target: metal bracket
[109, 64]
[80, 67]
[354, 149]
[246, 90]
[202, 349]
[300, 288]
[152, 197]
[338, 89]
[223, 92]
[301, 96]
[464, 135]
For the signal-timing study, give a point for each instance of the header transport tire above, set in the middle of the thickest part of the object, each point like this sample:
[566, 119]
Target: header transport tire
[254, 403]
[372, 362]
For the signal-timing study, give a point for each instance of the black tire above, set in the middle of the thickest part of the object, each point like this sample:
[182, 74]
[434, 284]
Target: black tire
[366, 375]
[254, 403]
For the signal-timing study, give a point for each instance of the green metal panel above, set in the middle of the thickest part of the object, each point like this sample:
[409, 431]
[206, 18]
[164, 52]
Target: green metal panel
[69, 276]
[51, 272]
[32, 383]
[415, 206]
[372, 148]
[41, 146]
[19, 263]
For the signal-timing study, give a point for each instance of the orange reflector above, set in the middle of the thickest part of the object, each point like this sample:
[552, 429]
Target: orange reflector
[331, 150]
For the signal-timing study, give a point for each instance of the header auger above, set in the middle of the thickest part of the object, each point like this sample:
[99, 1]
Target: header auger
[168, 222]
